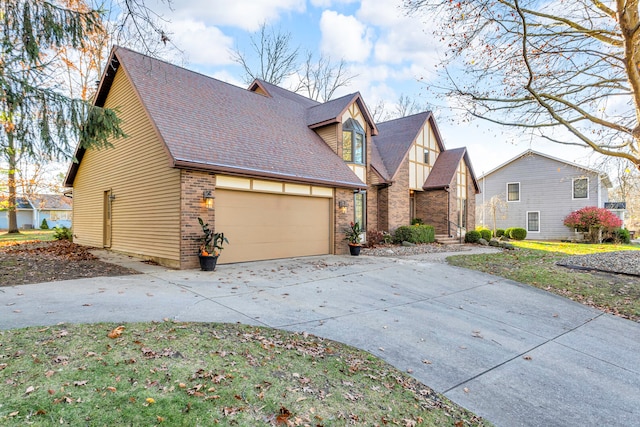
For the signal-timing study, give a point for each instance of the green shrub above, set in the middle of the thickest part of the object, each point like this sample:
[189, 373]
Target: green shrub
[415, 234]
[486, 234]
[472, 236]
[499, 232]
[62, 233]
[417, 221]
[518, 233]
[507, 232]
[44, 225]
[621, 235]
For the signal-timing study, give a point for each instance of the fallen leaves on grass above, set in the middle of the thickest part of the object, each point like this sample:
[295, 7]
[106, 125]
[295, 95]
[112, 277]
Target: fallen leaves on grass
[185, 370]
[37, 262]
[116, 332]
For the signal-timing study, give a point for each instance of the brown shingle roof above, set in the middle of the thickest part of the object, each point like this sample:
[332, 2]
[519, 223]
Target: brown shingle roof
[328, 112]
[444, 169]
[394, 140]
[208, 124]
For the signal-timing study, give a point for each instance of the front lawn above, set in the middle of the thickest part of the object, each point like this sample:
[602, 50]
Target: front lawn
[202, 374]
[534, 263]
[25, 236]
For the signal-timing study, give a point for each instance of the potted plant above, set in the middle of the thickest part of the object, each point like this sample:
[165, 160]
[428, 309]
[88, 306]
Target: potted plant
[353, 237]
[210, 248]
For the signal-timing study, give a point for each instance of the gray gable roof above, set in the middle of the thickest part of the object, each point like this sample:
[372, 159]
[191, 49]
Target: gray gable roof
[211, 125]
[51, 202]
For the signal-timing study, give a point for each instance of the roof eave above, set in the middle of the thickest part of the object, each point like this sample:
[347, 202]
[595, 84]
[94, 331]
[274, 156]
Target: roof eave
[99, 99]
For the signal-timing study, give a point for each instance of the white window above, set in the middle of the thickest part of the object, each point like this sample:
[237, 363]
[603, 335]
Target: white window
[513, 192]
[581, 188]
[533, 222]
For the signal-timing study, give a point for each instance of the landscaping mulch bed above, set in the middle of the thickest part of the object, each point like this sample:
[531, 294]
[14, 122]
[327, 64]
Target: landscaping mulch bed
[36, 262]
[391, 250]
[621, 262]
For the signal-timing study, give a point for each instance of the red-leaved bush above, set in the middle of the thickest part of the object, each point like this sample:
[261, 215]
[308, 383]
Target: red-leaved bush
[592, 219]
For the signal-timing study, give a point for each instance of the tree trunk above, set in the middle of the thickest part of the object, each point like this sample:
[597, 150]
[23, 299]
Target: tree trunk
[13, 218]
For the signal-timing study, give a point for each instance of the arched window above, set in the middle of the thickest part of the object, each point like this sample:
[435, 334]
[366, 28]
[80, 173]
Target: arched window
[353, 142]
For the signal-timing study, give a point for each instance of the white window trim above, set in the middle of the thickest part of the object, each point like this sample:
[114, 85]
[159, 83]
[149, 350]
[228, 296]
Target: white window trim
[519, 192]
[539, 222]
[573, 189]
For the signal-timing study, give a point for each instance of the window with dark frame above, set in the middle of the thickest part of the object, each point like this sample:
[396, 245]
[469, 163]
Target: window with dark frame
[581, 188]
[513, 192]
[426, 156]
[353, 142]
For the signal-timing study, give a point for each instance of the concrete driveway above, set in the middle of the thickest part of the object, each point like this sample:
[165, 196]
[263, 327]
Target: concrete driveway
[513, 354]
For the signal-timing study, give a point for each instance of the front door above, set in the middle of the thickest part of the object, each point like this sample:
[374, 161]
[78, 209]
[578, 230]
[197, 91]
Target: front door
[106, 235]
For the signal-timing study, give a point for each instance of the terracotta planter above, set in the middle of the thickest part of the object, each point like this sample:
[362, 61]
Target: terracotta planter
[208, 263]
[355, 250]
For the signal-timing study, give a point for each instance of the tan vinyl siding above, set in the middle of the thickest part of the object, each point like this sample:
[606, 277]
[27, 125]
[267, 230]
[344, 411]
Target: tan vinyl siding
[146, 209]
[330, 135]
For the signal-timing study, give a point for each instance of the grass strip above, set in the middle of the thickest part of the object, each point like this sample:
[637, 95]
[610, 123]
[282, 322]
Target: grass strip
[534, 263]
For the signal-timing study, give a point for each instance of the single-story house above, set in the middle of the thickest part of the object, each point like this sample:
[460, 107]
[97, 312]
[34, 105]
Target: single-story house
[536, 191]
[31, 210]
[280, 174]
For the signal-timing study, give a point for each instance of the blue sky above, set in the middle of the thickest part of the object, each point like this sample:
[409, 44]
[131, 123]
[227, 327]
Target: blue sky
[392, 54]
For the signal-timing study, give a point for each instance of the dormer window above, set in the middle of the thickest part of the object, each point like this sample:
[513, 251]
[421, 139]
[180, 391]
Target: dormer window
[353, 147]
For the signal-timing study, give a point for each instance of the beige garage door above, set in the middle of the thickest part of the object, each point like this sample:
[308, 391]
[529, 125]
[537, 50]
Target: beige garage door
[269, 226]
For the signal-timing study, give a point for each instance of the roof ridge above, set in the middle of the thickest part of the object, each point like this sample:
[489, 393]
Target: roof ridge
[181, 67]
[405, 117]
[280, 88]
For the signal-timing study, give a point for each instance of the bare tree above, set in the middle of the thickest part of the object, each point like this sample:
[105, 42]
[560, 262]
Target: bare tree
[319, 80]
[379, 112]
[497, 209]
[277, 59]
[566, 71]
[405, 106]
[627, 189]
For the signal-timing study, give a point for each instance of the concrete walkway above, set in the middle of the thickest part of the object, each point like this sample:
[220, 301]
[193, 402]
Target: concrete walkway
[511, 353]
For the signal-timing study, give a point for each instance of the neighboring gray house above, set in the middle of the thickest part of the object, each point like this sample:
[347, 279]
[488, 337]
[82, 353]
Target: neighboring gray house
[55, 208]
[536, 192]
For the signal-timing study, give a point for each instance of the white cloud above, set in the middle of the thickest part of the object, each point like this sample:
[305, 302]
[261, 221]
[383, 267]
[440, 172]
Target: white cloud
[402, 38]
[203, 45]
[381, 13]
[245, 14]
[344, 37]
[328, 3]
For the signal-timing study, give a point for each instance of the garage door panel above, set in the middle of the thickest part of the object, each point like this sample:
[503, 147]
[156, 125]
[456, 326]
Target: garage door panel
[268, 226]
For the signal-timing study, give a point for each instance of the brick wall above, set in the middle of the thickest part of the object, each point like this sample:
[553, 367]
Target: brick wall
[431, 206]
[383, 208]
[342, 220]
[398, 199]
[193, 184]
